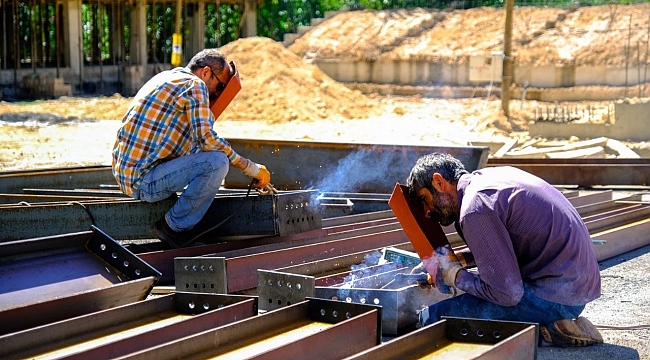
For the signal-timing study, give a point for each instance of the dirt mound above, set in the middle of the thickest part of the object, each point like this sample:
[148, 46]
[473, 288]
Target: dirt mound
[278, 86]
[595, 35]
[363, 35]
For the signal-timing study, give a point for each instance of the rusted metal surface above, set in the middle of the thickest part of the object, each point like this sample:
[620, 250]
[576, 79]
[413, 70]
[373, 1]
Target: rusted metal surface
[56, 178]
[252, 216]
[343, 167]
[129, 328]
[70, 273]
[330, 329]
[583, 172]
[164, 260]
[457, 338]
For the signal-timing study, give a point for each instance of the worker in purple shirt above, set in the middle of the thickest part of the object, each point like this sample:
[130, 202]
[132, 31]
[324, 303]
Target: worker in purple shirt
[533, 253]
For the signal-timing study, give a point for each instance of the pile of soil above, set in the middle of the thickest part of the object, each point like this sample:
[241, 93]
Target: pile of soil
[578, 36]
[279, 87]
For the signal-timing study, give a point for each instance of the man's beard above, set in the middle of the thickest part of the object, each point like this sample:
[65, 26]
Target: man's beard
[444, 211]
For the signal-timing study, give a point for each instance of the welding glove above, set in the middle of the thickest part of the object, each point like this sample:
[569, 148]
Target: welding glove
[258, 172]
[448, 267]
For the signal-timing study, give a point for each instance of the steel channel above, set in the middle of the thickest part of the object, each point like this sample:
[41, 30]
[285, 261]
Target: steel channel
[615, 218]
[500, 340]
[129, 328]
[351, 327]
[340, 166]
[582, 173]
[622, 239]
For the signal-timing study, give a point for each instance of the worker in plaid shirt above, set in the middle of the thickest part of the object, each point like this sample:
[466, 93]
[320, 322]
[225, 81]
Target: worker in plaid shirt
[166, 144]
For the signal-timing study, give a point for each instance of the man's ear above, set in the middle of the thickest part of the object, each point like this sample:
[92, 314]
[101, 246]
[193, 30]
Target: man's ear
[439, 183]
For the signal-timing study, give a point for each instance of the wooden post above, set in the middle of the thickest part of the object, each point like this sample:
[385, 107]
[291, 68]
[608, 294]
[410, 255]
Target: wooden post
[507, 59]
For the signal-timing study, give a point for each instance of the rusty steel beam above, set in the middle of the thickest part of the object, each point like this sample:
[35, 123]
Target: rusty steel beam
[457, 338]
[583, 172]
[249, 215]
[128, 328]
[56, 178]
[164, 260]
[344, 167]
[331, 329]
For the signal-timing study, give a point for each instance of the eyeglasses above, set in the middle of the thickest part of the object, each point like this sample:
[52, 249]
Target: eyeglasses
[221, 84]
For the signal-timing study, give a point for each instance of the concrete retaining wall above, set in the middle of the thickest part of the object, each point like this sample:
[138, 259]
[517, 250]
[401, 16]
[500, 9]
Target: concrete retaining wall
[417, 73]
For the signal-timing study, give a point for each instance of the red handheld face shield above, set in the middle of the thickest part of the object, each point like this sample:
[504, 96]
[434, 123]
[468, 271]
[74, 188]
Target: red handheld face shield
[232, 88]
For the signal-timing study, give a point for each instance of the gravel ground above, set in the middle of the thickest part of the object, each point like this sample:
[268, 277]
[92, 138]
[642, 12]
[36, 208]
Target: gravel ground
[624, 302]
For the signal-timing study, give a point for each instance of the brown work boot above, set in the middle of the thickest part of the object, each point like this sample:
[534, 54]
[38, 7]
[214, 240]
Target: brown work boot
[571, 333]
[175, 239]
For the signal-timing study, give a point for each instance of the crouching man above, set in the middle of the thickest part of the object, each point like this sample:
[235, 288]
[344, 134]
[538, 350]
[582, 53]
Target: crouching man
[534, 256]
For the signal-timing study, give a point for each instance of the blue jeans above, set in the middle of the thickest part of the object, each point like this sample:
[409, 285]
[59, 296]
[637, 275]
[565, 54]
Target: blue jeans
[200, 174]
[529, 309]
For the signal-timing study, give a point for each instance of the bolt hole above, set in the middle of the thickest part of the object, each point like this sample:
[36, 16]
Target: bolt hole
[464, 332]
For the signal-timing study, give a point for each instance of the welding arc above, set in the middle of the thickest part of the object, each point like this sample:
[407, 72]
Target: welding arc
[189, 242]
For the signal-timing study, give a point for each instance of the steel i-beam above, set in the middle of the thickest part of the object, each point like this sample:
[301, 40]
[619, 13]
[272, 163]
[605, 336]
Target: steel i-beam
[52, 278]
[128, 328]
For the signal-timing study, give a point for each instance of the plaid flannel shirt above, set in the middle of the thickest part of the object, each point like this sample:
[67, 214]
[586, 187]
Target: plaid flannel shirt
[168, 118]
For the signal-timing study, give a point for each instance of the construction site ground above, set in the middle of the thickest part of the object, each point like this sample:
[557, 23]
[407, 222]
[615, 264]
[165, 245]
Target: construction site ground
[286, 98]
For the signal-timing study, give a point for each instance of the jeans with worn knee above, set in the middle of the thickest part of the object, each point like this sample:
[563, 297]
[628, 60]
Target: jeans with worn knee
[530, 309]
[199, 174]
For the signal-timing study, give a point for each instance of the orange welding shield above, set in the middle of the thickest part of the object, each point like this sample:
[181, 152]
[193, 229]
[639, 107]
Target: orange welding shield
[229, 92]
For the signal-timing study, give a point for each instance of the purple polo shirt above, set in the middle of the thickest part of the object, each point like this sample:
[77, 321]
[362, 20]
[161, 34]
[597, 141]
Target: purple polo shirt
[521, 229]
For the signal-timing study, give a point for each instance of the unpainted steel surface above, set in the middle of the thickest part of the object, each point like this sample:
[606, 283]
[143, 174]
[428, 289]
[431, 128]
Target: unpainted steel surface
[129, 328]
[331, 329]
[583, 172]
[460, 339]
[67, 271]
[246, 216]
[346, 167]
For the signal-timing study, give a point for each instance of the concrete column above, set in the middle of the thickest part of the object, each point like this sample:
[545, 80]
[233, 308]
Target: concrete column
[138, 33]
[116, 34]
[73, 53]
[250, 19]
[196, 40]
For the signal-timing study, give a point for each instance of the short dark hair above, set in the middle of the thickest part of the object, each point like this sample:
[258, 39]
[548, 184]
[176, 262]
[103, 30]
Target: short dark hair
[212, 58]
[450, 168]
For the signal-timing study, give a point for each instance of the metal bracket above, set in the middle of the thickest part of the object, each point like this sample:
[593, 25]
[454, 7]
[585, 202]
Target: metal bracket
[277, 289]
[200, 274]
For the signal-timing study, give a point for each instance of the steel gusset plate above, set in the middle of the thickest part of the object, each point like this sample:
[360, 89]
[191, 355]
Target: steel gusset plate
[460, 338]
[202, 274]
[252, 216]
[313, 328]
[128, 328]
[53, 278]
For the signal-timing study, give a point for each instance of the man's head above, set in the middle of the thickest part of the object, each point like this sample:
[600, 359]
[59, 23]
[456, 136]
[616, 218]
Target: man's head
[211, 66]
[433, 181]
